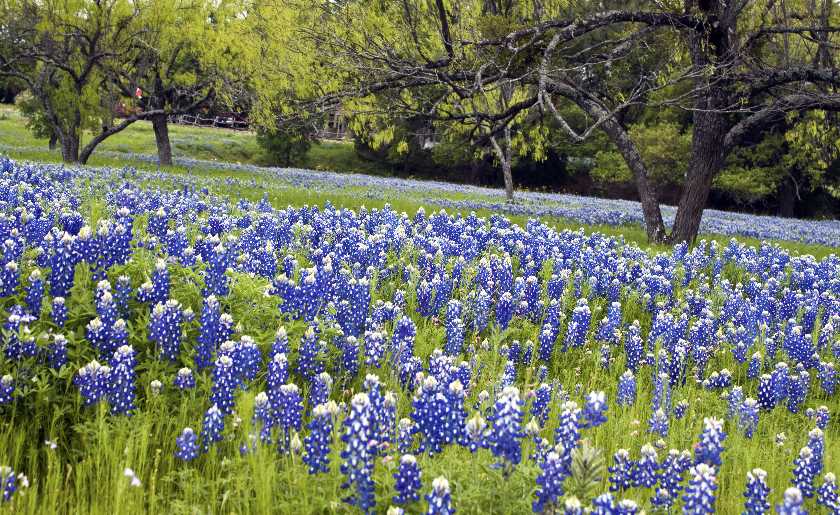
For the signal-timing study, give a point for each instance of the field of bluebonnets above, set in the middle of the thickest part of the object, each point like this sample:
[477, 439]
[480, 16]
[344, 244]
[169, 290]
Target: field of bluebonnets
[187, 343]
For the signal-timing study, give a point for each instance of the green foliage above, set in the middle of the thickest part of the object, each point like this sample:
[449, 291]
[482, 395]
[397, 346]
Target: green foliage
[285, 146]
[665, 148]
[589, 470]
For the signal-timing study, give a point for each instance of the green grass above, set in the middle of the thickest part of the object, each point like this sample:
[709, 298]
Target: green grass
[192, 142]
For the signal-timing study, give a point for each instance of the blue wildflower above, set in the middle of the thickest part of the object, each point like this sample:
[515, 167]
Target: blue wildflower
[710, 446]
[756, 493]
[318, 443]
[123, 377]
[594, 409]
[506, 434]
[440, 498]
[357, 455]
[7, 389]
[187, 445]
[212, 427]
[626, 389]
[550, 483]
[407, 480]
[699, 496]
[792, 504]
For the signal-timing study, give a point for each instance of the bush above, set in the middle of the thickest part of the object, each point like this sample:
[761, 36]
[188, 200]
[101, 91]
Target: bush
[285, 146]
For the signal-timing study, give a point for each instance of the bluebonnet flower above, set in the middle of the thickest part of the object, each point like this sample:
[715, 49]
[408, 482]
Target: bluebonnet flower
[754, 368]
[8, 483]
[659, 423]
[320, 391]
[165, 328]
[710, 446]
[748, 417]
[357, 455]
[210, 332]
[670, 478]
[374, 348]
[718, 380]
[59, 311]
[454, 328]
[622, 471]
[827, 376]
[792, 503]
[804, 472]
[92, 381]
[212, 427]
[383, 412]
[756, 493]
[281, 342]
[9, 279]
[541, 405]
[508, 375]
[816, 442]
[735, 398]
[184, 379]
[308, 365]
[504, 310]
[402, 340]
[680, 409]
[187, 445]
[223, 385]
[278, 372]
[160, 283]
[610, 324]
[797, 390]
[606, 357]
[766, 394]
[567, 433]
[699, 496]
[578, 325]
[476, 433]
[288, 413]
[506, 434]
[827, 495]
[626, 389]
[407, 480]
[122, 295]
[319, 441]
[62, 267]
[350, 355]
[429, 408]
[440, 498]
[35, 293]
[645, 472]
[822, 417]
[122, 378]
[546, 341]
[594, 409]
[634, 348]
[7, 389]
[405, 435]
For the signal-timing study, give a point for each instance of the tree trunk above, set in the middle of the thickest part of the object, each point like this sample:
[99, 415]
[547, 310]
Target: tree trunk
[53, 140]
[707, 159]
[70, 147]
[508, 177]
[787, 198]
[164, 148]
[505, 158]
[654, 226]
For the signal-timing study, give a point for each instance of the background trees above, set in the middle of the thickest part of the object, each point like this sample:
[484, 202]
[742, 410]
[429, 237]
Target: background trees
[682, 99]
[741, 69]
